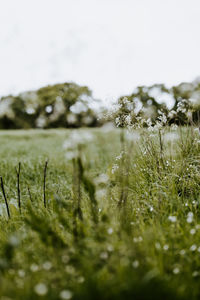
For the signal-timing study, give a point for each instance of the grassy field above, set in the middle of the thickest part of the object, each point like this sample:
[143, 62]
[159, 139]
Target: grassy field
[120, 220]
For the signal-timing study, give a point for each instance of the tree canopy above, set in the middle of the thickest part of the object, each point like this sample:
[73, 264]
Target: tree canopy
[69, 105]
[59, 105]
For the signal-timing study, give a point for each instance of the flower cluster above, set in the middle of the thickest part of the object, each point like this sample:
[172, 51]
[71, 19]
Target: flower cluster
[76, 139]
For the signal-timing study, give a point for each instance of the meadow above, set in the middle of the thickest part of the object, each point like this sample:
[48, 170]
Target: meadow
[100, 214]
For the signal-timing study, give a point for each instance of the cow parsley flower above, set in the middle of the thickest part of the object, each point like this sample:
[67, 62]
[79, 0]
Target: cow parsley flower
[41, 289]
[135, 264]
[193, 248]
[172, 219]
[190, 217]
[176, 271]
[66, 294]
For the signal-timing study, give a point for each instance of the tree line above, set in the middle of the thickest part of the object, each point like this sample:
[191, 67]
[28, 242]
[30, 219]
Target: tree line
[69, 105]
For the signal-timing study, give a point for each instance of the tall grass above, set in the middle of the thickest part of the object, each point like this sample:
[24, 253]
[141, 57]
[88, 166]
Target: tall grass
[120, 220]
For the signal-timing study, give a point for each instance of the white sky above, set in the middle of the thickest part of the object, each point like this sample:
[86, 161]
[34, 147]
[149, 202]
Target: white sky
[110, 45]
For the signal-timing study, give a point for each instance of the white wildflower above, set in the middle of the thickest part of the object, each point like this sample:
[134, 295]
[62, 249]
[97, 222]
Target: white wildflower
[104, 255]
[128, 120]
[34, 268]
[172, 219]
[137, 239]
[115, 167]
[30, 110]
[192, 231]
[49, 109]
[101, 179]
[119, 156]
[65, 259]
[182, 106]
[135, 264]
[165, 247]
[77, 138]
[151, 208]
[80, 279]
[172, 114]
[71, 155]
[101, 193]
[21, 273]
[14, 241]
[176, 271]
[193, 248]
[47, 265]
[190, 217]
[162, 118]
[157, 246]
[110, 248]
[41, 289]
[174, 127]
[118, 121]
[66, 294]
[195, 274]
[110, 230]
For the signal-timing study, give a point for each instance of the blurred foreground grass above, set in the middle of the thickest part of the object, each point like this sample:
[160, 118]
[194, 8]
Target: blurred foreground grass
[145, 243]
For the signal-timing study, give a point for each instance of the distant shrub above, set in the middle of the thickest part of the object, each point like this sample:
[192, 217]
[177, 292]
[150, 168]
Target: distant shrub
[60, 105]
[180, 104]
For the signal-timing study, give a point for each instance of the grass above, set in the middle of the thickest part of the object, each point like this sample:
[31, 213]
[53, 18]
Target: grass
[121, 220]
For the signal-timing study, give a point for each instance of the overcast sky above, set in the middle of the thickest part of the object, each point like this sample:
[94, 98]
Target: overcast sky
[110, 45]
